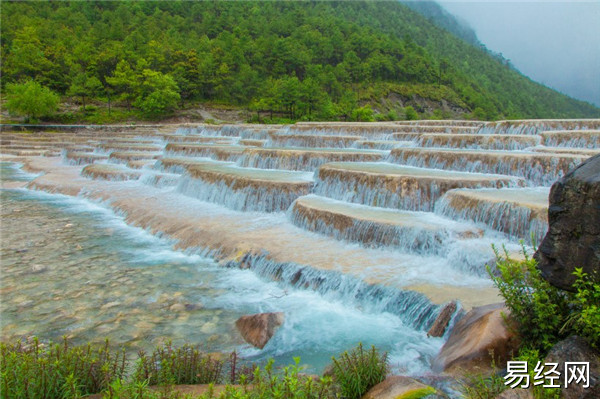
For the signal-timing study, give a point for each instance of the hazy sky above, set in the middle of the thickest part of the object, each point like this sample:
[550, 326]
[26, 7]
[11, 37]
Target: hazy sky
[556, 43]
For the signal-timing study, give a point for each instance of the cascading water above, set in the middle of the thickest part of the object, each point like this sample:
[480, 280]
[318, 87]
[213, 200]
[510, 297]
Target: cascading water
[537, 168]
[341, 269]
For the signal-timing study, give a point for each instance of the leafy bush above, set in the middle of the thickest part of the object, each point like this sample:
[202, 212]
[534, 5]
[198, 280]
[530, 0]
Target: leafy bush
[539, 309]
[358, 371]
[410, 114]
[543, 313]
[185, 365]
[31, 100]
[363, 114]
[586, 316]
[57, 370]
[532, 357]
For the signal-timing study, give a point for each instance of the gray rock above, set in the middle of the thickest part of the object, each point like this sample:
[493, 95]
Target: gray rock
[576, 349]
[573, 238]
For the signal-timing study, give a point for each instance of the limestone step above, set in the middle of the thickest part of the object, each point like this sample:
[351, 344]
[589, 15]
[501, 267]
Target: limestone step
[110, 172]
[129, 147]
[252, 142]
[80, 158]
[141, 163]
[480, 141]
[216, 151]
[126, 156]
[279, 139]
[437, 129]
[307, 159]
[333, 128]
[588, 152]
[245, 189]
[537, 168]
[572, 138]
[536, 126]
[181, 164]
[381, 144]
[521, 213]
[420, 232]
[178, 138]
[401, 187]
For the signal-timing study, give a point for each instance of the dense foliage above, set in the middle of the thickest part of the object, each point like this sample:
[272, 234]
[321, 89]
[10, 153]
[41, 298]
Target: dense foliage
[35, 370]
[543, 313]
[311, 60]
[58, 370]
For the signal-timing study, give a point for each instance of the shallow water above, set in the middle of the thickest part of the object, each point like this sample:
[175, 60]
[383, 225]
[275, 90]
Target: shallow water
[72, 267]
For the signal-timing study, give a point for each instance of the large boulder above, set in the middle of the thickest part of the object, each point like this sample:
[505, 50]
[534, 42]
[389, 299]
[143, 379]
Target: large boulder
[258, 329]
[573, 238]
[397, 386]
[576, 349]
[481, 333]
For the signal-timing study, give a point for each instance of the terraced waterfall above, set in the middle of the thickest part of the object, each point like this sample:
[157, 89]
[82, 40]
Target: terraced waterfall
[357, 232]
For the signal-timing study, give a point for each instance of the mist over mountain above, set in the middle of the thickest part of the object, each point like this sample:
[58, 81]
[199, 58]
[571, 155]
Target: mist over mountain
[435, 13]
[555, 43]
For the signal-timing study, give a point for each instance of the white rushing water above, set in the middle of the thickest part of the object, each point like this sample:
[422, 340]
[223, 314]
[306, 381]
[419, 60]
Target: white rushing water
[325, 313]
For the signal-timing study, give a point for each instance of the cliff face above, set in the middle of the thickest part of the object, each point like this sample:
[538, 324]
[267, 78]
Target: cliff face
[573, 238]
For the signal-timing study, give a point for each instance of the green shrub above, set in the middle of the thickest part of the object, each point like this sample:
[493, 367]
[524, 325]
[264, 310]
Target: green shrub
[358, 371]
[363, 114]
[539, 309]
[585, 319]
[532, 357]
[57, 370]
[479, 386]
[410, 114]
[185, 365]
[30, 99]
[543, 313]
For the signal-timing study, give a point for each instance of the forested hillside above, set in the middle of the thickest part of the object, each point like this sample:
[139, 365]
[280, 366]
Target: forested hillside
[299, 60]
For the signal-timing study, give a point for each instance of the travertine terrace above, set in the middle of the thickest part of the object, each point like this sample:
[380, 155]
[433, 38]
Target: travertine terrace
[402, 214]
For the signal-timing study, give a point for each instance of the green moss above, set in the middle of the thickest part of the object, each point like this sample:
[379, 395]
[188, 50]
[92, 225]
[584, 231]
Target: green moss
[417, 393]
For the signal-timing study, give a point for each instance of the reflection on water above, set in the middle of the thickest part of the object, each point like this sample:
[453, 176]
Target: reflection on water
[71, 267]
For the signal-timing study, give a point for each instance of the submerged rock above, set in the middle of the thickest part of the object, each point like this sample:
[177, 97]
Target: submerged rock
[573, 238]
[397, 386]
[258, 329]
[576, 349]
[441, 322]
[479, 334]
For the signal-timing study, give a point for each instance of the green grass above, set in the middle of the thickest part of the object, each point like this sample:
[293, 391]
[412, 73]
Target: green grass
[34, 370]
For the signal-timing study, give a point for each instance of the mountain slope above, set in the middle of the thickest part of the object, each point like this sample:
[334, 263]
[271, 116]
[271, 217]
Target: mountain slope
[310, 60]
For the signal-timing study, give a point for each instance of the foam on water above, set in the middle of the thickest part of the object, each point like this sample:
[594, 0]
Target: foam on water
[333, 315]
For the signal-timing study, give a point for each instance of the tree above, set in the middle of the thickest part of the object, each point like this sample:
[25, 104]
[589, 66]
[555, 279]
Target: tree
[158, 94]
[125, 82]
[31, 100]
[85, 86]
